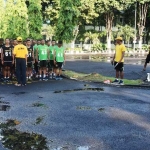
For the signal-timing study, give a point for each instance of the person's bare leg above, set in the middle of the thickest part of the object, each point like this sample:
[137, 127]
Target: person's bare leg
[121, 75]
[8, 72]
[60, 72]
[5, 72]
[117, 74]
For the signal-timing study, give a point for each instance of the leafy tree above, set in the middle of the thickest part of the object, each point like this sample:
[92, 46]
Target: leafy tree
[35, 21]
[68, 20]
[108, 8]
[142, 13]
[16, 19]
[2, 12]
[126, 32]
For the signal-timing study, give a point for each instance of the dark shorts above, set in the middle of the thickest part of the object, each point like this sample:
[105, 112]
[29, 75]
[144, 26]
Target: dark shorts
[59, 65]
[7, 64]
[119, 67]
[148, 58]
[29, 64]
[43, 63]
[52, 63]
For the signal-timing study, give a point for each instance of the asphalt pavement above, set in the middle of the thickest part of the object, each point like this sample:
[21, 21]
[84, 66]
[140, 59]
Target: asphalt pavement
[77, 116]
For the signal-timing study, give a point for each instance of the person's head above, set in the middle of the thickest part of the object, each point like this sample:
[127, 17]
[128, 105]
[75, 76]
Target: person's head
[28, 42]
[48, 43]
[19, 40]
[53, 42]
[34, 42]
[15, 42]
[1, 41]
[60, 43]
[38, 42]
[7, 41]
[119, 40]
[42, 42]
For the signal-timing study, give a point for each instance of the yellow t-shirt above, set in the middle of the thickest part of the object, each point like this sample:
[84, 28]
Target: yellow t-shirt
[20, 51]
[119, 50]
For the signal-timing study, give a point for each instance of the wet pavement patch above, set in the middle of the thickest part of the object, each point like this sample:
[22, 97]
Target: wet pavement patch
[84, 89]
[38, 104]
[14, 139]
[4, 106]
[39, 120]
[101, 109]
[83, 108]
[19, 93]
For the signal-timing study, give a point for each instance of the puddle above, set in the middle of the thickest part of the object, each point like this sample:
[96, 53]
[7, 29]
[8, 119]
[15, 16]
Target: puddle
[38, 104]
[101, 109]
[19, 93]
[83, 108]
[14, 139]
[84, 89]
[4, 106]
[39, 120]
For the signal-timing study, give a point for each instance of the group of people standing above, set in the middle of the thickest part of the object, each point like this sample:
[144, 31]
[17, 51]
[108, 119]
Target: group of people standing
[20, 57]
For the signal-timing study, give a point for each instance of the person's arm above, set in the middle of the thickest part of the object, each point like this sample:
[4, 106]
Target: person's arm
[64, 58]
[2, 56]
[36, 51]
[13, 57]
[54, 57]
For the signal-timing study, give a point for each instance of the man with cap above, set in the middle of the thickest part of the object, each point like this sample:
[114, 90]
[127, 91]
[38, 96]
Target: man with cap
[20, 52]
[118, 61]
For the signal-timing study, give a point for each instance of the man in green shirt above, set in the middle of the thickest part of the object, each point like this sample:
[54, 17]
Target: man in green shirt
[51, 65]
[59, 59]
[42, 54]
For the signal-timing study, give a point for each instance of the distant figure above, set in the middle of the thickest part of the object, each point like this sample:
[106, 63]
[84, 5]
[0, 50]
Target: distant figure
[118, 61]
[20, 52]
[147, 60]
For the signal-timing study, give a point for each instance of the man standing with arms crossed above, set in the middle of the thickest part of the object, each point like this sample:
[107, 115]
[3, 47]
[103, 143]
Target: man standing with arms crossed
[20, 52]
[118, 61]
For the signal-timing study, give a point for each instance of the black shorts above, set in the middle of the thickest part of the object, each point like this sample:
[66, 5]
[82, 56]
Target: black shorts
[43, 63]
[29, 64]
[7, 64]
[59, 65]
[148, 58]
[52, 63]
[119, 67]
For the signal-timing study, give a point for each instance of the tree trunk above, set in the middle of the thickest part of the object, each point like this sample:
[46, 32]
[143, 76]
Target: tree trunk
[142, 20]
[109, 20]
[76, 31]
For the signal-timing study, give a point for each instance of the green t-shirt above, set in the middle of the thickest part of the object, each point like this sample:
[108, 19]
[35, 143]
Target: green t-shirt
[43, 51]
[52, 50]
[59, 54]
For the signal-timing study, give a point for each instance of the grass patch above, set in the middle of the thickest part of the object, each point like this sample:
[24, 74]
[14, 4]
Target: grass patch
[97, 77]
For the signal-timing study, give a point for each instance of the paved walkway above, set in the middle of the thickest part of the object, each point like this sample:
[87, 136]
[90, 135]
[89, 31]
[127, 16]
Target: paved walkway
[132, 71]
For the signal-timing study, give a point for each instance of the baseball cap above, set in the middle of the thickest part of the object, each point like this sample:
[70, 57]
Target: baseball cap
[19, 39]
[119, 38]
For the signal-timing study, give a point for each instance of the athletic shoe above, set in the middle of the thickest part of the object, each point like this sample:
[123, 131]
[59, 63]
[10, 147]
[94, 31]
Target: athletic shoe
[23, 85]
[60, 78]
[116, 81]
[57, 78]
[17, 84]
[121, 82]
[40, 78]
[45, 79]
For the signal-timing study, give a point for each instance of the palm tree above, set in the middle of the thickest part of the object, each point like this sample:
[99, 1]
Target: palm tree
[92, 37]
[127, 32]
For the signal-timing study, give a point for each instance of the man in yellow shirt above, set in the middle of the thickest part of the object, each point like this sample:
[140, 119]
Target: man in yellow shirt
[20, 52]
[118, 61]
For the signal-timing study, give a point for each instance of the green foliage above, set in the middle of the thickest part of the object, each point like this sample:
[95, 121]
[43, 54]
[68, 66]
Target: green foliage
[68, 20]
[98, 47]
[35, 21]
[16, 19]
